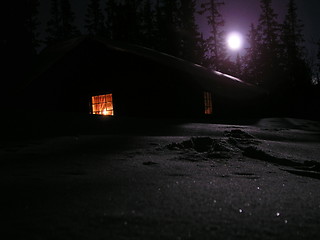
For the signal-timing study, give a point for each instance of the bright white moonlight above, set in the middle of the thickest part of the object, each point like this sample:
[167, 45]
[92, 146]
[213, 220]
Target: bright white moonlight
[234, 41]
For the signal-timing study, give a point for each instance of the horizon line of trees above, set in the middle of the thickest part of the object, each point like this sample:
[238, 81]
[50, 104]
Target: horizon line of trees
[275, 59]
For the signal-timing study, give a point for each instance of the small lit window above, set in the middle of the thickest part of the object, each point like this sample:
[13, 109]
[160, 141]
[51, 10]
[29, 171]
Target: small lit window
[207, 103]
[102, 105]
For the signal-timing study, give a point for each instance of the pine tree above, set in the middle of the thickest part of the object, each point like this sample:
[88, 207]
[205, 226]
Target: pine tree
[117, 14]
[238, 71]
[133, 20]
[318, 55]
[159, 27]
[32, 24]
[216, 42]
[53, 25]
[189, 34]
[268, 26]
[124, 20]
[67, 17]
[95, 19]
[202, 47]
[292, 39]
[166, 26]
[167, 18]
[269, 46]
[61, 24]
[111, 18]
[292, 32]
[318, 65]
[148, 28]
[252, 70]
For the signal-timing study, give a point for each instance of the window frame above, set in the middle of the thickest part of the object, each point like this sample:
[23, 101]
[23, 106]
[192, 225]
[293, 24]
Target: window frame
[102, 104]
[208, 105]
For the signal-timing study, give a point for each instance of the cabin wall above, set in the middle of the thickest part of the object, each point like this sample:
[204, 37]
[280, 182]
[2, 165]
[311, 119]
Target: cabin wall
[154, 90]
[139, 86]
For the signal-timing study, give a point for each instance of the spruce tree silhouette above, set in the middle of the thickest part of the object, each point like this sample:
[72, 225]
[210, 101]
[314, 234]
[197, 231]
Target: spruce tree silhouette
[95, 19]
[296, 69]
[252, 57]
[133, 16]
[68, 27]
[167, 24]
[269, 45]
[216, 43]
[189, 32]
[148, 27]
[61, 24]
[32, 25]
[123, 20]
[111, 22]
[53, 25]
[318, 65]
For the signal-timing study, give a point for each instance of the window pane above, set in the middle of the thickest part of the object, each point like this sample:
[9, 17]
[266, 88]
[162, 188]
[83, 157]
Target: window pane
[207, 103]
[102, 104]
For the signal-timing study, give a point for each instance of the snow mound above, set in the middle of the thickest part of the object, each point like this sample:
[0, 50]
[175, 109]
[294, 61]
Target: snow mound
[204, 148]
[236, 144]
[201, 144]
[306, 168]
[239, 134]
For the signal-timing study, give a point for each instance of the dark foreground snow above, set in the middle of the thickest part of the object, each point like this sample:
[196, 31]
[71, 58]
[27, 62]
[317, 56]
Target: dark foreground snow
[175, 181]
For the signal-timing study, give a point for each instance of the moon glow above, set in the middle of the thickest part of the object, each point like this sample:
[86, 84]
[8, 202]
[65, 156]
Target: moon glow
[234, 41]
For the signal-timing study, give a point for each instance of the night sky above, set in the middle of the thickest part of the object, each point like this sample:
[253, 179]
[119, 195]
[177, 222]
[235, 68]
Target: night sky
[238, 16]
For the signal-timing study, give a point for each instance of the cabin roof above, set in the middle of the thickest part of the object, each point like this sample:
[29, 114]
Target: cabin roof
[204, 77]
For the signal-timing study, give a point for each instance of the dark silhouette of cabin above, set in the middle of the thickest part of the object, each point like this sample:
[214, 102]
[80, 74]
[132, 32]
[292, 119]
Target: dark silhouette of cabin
[91, 75]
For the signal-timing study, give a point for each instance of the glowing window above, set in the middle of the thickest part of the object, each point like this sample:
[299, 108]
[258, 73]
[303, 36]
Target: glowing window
[102, 105]
[207, 103]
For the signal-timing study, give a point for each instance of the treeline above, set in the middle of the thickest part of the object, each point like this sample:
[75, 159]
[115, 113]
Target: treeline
[276, 55]
[164, 25]
[275, 59]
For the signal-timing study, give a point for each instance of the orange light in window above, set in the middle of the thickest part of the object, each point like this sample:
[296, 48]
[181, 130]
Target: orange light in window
[207, 103]
[102, 105]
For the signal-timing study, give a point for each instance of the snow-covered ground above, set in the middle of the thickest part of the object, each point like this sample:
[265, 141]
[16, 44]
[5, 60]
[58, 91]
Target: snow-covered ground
[148, 179]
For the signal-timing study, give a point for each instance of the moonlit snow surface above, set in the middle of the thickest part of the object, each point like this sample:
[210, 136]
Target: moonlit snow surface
[109, 178]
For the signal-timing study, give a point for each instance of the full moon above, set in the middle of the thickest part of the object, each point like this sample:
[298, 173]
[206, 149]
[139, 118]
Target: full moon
[234, 41]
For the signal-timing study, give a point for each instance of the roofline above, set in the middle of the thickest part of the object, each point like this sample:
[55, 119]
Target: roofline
[60, 49]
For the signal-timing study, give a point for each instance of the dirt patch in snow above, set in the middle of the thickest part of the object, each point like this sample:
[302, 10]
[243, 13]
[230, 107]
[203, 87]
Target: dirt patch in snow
[240, 143]
[204, 148]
